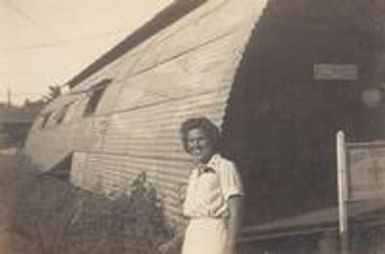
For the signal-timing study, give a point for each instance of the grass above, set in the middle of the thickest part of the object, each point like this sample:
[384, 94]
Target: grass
[43, 215]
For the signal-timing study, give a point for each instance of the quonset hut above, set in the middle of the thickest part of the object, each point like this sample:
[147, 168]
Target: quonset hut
[280, 78]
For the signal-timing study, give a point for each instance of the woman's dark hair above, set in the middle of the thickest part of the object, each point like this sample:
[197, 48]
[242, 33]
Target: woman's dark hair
[203, 123]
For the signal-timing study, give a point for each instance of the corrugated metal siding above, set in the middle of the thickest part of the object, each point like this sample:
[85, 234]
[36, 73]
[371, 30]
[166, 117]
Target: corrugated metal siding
[112, 174]
[194, 46]
[156, 123]
[208, 23]
[196, 72]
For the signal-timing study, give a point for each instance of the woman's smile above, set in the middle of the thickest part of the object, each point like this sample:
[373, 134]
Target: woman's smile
[199, 145]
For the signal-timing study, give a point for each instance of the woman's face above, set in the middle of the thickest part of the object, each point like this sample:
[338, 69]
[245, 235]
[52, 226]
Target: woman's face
[199, 145]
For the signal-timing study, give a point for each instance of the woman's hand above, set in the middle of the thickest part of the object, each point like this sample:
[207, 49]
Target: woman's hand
[234, 222]
[175, 244]
[166, 247]
[231, 247]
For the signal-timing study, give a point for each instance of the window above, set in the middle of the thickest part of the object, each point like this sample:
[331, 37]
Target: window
[95, 94]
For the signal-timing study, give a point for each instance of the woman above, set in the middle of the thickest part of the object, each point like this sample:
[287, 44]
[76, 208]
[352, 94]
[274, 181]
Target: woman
[214, 193]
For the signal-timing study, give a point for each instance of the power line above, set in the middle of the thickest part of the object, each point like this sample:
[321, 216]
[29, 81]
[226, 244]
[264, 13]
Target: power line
[59, 41]
[27, 17]
[62, 42]
[23, 94]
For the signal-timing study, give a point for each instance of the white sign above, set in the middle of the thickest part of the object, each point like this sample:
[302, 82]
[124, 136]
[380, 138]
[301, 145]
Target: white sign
[366, 163]
[335, 72]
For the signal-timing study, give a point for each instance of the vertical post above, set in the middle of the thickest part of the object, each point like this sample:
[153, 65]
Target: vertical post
[342, 192]
[9, 103]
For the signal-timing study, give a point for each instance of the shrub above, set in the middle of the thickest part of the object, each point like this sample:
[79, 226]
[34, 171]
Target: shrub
[54, 217]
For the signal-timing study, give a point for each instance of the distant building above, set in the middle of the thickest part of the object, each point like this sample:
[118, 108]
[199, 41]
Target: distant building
[15, 123]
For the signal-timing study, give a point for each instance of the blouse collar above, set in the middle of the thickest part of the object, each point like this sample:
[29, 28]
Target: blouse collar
[211, 165]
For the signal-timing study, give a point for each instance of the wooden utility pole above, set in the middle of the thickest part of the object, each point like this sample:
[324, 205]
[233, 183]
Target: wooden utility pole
[9, 98]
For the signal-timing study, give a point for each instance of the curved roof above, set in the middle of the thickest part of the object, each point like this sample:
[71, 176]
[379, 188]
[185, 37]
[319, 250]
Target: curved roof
[162, 20]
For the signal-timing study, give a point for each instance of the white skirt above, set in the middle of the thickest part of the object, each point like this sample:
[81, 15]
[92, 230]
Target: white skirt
[205, 236]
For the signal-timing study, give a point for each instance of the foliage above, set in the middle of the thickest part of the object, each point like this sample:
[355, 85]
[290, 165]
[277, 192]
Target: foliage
[49, 216]
[53, 92]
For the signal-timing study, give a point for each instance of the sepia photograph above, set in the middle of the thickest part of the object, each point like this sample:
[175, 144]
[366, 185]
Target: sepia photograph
[192, 127]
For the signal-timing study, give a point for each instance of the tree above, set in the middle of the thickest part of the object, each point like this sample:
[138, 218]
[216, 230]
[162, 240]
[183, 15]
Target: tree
[54, 92]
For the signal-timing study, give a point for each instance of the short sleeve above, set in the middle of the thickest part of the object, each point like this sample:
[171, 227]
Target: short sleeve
[230, 180]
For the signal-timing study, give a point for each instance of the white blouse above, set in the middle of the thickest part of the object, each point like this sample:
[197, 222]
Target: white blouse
[209, 189]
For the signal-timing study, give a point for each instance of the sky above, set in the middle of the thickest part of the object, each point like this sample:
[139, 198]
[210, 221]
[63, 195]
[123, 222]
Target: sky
[47, 42]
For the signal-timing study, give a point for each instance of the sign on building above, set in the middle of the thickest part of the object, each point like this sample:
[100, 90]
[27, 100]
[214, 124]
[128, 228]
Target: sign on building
[335, 71]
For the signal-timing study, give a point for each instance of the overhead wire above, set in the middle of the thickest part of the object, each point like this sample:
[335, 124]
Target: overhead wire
[27, 17]
[58, 40]
[72, 40]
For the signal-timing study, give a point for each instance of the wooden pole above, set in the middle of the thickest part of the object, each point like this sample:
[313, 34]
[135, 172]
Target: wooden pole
[9, 100]
[342, 192]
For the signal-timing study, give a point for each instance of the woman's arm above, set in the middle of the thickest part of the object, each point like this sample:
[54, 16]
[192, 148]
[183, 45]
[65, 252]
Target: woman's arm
[234, 223]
